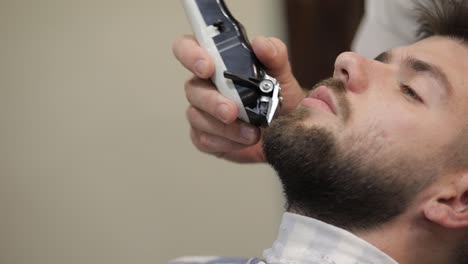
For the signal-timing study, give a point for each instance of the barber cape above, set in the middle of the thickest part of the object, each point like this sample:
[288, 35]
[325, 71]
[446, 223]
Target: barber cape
[304, 240]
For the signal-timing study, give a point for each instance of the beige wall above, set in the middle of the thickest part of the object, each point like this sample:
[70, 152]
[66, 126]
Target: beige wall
[96, 165]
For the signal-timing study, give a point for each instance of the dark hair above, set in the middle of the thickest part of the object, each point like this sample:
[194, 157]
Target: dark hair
[447, 18]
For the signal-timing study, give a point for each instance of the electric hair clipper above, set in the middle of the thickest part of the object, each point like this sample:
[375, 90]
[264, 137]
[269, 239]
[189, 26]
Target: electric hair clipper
[239, 75]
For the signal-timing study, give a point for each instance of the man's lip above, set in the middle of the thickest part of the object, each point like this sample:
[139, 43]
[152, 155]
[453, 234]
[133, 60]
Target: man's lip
[321, 97]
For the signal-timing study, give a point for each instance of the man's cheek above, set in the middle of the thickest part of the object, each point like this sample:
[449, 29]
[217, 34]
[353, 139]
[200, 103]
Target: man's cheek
[403, 132]
[380, 130]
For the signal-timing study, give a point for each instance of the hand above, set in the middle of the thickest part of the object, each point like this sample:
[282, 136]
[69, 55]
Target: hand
[215, 128]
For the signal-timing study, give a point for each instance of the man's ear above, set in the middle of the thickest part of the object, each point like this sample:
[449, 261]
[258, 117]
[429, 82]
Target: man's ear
[449, 205]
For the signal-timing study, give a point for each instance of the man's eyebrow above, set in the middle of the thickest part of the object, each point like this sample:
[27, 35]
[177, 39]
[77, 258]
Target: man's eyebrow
[420, 66]
[434, 71]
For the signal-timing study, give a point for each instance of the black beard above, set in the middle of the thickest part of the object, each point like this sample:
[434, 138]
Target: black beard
[342, 189]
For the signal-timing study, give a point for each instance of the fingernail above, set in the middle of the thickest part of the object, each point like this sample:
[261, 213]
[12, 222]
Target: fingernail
[272, 46]
[200, 67]
[223, 112]
[249, 133]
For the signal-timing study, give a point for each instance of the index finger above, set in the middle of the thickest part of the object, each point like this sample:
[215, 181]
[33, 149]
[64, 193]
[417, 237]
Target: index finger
[193, 57]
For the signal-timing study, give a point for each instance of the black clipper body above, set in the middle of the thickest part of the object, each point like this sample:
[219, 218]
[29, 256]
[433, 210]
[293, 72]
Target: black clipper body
[239, 75]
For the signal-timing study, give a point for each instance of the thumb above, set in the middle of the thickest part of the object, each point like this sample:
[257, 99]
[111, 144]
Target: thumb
[273, 53]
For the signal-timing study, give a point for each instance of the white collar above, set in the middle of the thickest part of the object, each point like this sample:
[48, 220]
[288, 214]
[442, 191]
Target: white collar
[304, 240]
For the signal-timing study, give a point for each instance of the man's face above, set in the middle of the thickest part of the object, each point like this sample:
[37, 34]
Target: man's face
[368, 141]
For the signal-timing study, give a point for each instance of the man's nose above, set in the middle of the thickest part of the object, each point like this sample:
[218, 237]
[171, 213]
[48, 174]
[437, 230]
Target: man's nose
[353, 70]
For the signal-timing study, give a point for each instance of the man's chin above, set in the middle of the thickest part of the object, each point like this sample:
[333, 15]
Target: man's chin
[291, 132]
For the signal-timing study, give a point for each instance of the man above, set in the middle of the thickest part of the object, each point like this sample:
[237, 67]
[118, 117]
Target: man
[373, 161]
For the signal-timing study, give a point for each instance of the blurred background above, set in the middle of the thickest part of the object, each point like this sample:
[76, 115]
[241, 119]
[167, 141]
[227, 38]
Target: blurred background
[96, 165]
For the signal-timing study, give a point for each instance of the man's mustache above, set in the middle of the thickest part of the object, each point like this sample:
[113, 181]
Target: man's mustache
[335, 84]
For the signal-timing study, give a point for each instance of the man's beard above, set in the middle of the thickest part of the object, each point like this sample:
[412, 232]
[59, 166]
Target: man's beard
[348, 188]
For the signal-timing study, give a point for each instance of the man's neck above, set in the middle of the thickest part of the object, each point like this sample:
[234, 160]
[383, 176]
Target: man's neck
[407, 242]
